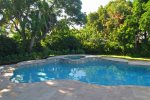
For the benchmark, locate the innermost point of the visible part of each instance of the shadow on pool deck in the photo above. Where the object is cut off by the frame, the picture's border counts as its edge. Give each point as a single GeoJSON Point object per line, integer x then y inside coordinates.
{"type": "Point", "coordinates": [70, 90]}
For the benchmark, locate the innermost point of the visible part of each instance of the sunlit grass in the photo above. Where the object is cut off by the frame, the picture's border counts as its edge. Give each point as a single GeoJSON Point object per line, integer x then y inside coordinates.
{"type": "Point", "coordinates": [126, 57]}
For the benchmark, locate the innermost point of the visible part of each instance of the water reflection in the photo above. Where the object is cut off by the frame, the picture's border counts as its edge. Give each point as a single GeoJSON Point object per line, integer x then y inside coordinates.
{"type": "Point", "coordinates": [101, 72]}
{"type": "Point", "coordinates": [77, 74]}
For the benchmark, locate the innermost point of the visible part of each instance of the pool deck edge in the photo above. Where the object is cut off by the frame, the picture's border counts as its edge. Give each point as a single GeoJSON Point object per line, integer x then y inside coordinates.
{"type": "Point", "coordinates": [131, 62]}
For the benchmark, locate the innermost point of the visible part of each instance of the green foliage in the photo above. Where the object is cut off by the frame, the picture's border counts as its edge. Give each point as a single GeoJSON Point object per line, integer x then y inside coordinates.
{"type": "Point", "coordinates": [122, 27]}
{"type": "Point", "coordinates": [145, 18]}
{"type": "Point", "coordinates": [34, 19]}
{"type": "Point", "coordinates": [62, 38]}
{"type": "Point", "coordinates": [100, 35]}
{"type": "Point", "coordinates": [12, 59]}
{"type": "Point", "coordinates": [126, 35]}
{"type": "Point", "coordinates": [8, 46]}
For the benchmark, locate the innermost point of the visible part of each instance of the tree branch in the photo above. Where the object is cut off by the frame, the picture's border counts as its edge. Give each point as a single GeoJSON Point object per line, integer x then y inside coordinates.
{"type": "Point", "coordinates": [16, 27]}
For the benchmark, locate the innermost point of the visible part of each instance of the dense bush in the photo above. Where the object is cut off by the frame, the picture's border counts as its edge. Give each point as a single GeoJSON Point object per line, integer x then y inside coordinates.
{"type": "Point", "coordinates": [35, 55]}
{"type": "Point", "coordinates": [64, 43]}
{"type": "Point", "coordinates": [8, 46]}
{"type": "Point", "coordinates": [63, 38]}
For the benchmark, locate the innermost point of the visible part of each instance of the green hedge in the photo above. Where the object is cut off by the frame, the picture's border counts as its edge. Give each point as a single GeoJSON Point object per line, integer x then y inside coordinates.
{"type": "Point", "coordinates": [11, 59]}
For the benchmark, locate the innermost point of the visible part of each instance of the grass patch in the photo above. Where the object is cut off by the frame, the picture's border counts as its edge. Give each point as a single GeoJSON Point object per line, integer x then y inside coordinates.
{"type": "Point", "coordinates": [126, 57]}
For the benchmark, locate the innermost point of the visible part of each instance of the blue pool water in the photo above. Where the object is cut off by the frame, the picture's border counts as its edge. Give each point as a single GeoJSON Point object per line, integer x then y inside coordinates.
{"type": "Point", "coordinates": [101, 72]}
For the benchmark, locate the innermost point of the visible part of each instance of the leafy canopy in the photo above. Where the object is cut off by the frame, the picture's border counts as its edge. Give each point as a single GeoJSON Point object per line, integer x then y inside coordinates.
{"type": "Point", "coordinates": [34, 19]}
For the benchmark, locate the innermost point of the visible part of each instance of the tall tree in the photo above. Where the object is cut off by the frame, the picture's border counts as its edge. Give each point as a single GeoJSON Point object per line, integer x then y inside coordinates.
{"type": "Point", "coordinates": [144, 23]}
{"type": "Point", "coordinates": [101, 28]}
{"type": "Point", "coordinates": [34, 19]}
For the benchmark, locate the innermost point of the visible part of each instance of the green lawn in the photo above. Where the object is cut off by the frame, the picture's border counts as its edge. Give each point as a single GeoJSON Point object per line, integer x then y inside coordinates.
{"type": "Point", "coordinates": [127, 57]}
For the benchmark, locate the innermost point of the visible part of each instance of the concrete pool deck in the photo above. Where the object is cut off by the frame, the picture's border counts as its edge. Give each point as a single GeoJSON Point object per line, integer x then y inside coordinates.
{"type": "Point", "coordinates": [71, 90]}
{"type": "Point", "coordinates": [67, 89]}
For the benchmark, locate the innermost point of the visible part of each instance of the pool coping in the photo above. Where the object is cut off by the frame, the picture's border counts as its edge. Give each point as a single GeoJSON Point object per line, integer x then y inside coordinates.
{"type": "Point", "coordinates": [130, 62]}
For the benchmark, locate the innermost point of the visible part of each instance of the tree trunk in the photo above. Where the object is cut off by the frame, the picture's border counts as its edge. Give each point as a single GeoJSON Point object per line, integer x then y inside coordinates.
{"type": "Point", "coordinates": [145, 38]}
{"type": "Point", "coordinates": [24, 41]}
{"type": "Point", "coordinates": [31, 44]}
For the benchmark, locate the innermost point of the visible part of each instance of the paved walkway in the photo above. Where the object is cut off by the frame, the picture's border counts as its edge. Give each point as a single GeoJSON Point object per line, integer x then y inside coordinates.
{"type": "Point", "coordinates": [70, 90]}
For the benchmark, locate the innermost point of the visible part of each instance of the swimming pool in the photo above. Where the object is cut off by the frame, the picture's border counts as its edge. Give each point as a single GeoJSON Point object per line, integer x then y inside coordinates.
{"type": "Point", "coordinates": [93, 71]}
